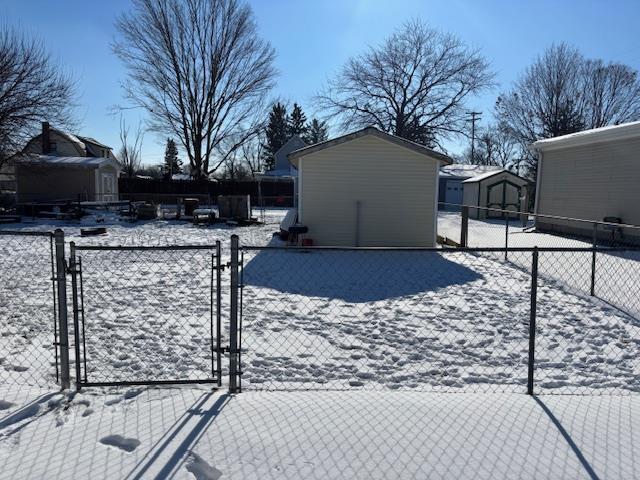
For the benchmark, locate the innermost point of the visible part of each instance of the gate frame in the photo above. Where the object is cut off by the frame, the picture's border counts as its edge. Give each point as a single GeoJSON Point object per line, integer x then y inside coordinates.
{"type": "Point", "coordinates": [75, 269]}
{"type": "Point", "coordinates": [59, 296]}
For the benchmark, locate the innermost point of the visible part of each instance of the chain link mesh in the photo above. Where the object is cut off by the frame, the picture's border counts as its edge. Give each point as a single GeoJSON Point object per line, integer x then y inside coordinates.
{"type": "Point", "coordinates": [149, 314]}
{"type": "Point", "coordinates": [28, 354]}
{"type": "Point", "coordinates": [435, 320]}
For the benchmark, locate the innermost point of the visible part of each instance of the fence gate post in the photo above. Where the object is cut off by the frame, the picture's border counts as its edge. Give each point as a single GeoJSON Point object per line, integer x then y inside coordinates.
{"type": "Point", "coordinates": [218, 312]}
{"type": "Point", "coordinates": [63, 328]}
{"type": "Point", "coordinates": [593, 259]}
{"type": "Point", "coordinates": [532, 320]}
{"type": "Point", "coordinates": [464, 232]}
{"type": "Point", "coordinates": [233, 321]}
{"type": "Point", "coordinates": [73, 266]}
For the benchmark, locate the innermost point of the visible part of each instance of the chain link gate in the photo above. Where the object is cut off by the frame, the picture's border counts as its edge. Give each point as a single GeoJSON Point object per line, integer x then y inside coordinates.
{"type": "Point", "coordinates": [32, 289]}
{"type": "Point", "coordinates": [146, 315]}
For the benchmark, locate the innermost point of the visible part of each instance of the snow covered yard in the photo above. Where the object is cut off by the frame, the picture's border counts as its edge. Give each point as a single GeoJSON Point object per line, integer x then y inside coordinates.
{"type": "Point", "coordinates": [26, 310]}
{"type": "Point", "coordinates": [386, 332]}
{"type": "Point", "coordinates": [194, 433]}
{"type": "Point", "coordinates": [617, 274]}
{"type": "Point", "coordinates": [426, 320]}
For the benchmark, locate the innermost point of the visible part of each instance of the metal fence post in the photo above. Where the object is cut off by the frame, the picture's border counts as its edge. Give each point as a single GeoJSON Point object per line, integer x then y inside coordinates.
{"type": "Point", "coordinates": [233, 321]}
{"type": "Point", "coordinates": [63, 329]}
{"type": "Point", "coordinates": [593, 259]}
{"type": "Point", "coordinates": [73, 265]}
{"type": "Point", "coordinates": [532, 320]}
{"type": "Point", "coordinates": [218, 312]}
{"type": "Point", "coordinates": [506, 238]}
{"type": "Point", "coordinates": [464, 231]}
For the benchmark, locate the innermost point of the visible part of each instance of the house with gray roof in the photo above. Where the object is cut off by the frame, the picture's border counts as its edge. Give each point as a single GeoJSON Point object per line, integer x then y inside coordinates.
{"type": "Point", "coordinates": [59, 166]}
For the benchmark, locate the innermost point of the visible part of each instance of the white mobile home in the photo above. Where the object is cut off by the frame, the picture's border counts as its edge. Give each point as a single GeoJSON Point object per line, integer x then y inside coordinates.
{"type": "Point", "coordinates": [592, 175]}
{"type": "Point", "coordinates": [368, 188]}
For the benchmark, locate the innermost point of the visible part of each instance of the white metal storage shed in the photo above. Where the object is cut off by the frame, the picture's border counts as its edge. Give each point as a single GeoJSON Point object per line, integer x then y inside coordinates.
{"type": "Point", "coordinates": [591, 175]}
{"type": "Point", "coordinates": [501, 190]}
{"type": "Point", "coordinates": [368, 188]}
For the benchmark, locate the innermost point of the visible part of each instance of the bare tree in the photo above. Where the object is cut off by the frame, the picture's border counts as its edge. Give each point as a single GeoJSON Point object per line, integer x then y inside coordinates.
{"type": "Point", "coordinates": [414, 85]}
{"type": "Point", "coordinates": [547, 100]}
{"type": "Point", "coordinates": [200, 70]}
{"type": "Point", "coordinates": [129, 154]}
{"type": "Point", "coordinates": [33, 88]}
{"type": "Point", "coordinates": [494, 147]}
{"type": "Point", "coordinates": [562, 93]}
{"type": "Point", "coordinates": [252, 154]}
{"type": "Point", "coordinates": [611, 93]}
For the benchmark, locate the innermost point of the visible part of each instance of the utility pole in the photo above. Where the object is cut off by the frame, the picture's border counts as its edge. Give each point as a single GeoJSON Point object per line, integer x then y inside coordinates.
{"type": "Point", "coordinates": [475, 116]}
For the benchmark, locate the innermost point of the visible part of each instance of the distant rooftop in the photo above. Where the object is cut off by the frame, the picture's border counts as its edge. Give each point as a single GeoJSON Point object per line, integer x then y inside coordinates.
{"type": "Point", "coordinates": [463, 170]}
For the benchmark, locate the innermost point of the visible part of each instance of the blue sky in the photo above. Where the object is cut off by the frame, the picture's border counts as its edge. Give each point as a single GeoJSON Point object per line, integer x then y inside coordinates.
{"type": "Point", "coordinates": [313, 38]}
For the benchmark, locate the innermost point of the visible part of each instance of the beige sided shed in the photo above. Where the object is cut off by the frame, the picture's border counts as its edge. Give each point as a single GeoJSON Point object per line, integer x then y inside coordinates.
{"type": "Point", "coordinates": [44, 178]}
{"type": "Point", "coordinates": [500, 189]}
{"type": "Point", "coordinates": [591, 175]}
{"type": "Point", "coordinates": [368, 188]}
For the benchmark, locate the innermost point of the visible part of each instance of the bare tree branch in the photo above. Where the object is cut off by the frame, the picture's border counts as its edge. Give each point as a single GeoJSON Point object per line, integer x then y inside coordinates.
{"type": "Point", "coordinates": [414, 85]}
{"type": "Point", "coordinates": [32, 89]}
{"type": "Point", "coordinates": [199, 69]}
{"type": "Point", "coordinates": [130, 152]}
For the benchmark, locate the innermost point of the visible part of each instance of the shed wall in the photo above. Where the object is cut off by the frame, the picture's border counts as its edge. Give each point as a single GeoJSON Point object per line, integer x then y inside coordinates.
{"type": "Point", "coordinates": [46, 183]}
{"type": "Point", "coordinates": [369, 192]}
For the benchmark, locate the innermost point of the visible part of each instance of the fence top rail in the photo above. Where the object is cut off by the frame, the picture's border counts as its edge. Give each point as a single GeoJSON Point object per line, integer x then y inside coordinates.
{"type": "Point", "coordinates": [18, 233]}
{"type": "Point", "coordinates": [143, 247]}
{"type": "Point", "coordinates": [443, 250]}
{"type": "Point", "coordinates": [544, 215]}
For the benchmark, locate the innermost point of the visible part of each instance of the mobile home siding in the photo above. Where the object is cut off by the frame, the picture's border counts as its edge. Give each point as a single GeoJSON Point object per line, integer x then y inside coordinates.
{"type": "Point", "coordinates": [590, 182]}
{"type": "Point", "coordinates": [394, 187]}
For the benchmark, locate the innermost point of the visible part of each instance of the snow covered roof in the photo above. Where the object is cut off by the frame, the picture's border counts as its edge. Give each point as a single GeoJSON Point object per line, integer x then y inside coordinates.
{"type": "Point", "coordinates": [88, 162]}
{"type": "Point", "coordinates": [482, 176]}
{"type": "Point", "coordinates": [587, 137]}
{"type": "Point", "coordinates": [278, 173]}
{"type": "Point", "coordinates": [462, 170]}
{"type": "Point", "coordinates": [403, 142]}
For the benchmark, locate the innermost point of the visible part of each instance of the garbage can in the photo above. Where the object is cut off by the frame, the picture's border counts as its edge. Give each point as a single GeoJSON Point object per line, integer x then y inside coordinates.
{"type": "Point", "coordinates": [190, 204]}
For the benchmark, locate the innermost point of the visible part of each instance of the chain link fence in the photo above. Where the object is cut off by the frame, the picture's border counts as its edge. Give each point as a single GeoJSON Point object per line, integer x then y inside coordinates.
{"type": "Point", "coordinates": [147, 315]}
{"type": "Point", "coordinates": [478, 320]}
{"type": "Point", "coordinates": [28, 309]}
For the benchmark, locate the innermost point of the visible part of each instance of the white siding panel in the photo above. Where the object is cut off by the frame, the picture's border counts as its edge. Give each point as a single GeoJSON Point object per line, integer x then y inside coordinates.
{"type": "Point", "coordinates": [396, 189]}
{"type": "Point", "coordinates": [592, 182]}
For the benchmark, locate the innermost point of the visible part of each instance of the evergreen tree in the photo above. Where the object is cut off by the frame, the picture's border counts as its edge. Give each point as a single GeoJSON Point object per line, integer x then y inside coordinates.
{"type": "Point", "coordinates": [277, 133]}
{"type": "Point", "coordinates": [297, 122]}
{"type": "Point", "coordinates": [317, 132]}
{"type": "Point", "coordinates": [172, 164]}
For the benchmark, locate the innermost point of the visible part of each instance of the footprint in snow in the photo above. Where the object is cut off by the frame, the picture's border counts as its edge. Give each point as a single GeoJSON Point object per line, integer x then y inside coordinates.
{"type": "Point", "coordinates": [4, 405]}
{"type": "Point", "coordinates": [200, 469]}
{"type": "Point", "coordinates": [123, 443]}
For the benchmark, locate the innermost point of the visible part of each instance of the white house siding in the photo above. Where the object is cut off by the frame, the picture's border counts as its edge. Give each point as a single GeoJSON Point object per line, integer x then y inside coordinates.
{"type": "Point", "coordinates": [395, 187]}
{"type": "Point", "coordinates": [590, 182]}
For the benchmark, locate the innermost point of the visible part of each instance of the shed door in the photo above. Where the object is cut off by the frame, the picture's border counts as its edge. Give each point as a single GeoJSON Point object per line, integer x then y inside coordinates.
{"type": "Point", "coordinates": [503, 195]}
{"type": "Point", "coordinates": [108, 187]}
{"type": "Point", "coordinates": [453, 193]}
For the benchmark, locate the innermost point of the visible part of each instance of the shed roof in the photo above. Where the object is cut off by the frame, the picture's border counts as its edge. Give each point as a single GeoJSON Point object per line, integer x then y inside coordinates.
{"type": "Point", "coordinates": [86, 162]}
{"type": "Point", "coordinates": [588, 137]}
{"type": "Point", "coordinates": [484, 176]}
{"type": "Point", "coordinates": [403, 142]}
{"type": "Point", "coordinates": [463, 170]}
